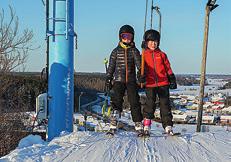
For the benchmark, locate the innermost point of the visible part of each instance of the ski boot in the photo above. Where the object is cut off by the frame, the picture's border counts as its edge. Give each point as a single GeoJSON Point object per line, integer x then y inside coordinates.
{"type": "Point", "coordinates": [113, 123]}
{"type": "Point", "coordinates": [139, 129]}
{"type": "Point", "coordinates": [147, 127]}
{"type": "Point", "coordinates": [169, 131]}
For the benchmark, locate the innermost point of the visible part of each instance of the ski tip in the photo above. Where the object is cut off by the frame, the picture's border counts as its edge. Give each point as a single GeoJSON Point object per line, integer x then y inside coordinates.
{"type": "Point", "coordinates": [146, 134]}
{"type": "Point", "coordinates": [140, 135]}
{"type": "Point", "coordinates": [172, 134]}
{"type": "Point", "coordinates": [110, 134]}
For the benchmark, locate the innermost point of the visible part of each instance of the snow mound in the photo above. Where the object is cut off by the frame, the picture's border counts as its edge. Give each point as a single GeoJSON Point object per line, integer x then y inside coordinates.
{"type": "Point", "coordinates": [191, 146]}
{"type": "Point", "coordinates": [30, 140]}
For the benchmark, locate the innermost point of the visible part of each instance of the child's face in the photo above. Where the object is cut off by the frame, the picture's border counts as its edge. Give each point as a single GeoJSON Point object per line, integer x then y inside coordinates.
{"type": "Point", "coordinates": [152, 45]}
{"type": "Point", "coordinates": [126, 37]}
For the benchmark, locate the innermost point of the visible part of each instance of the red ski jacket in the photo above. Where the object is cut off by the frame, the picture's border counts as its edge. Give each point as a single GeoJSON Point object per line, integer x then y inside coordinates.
{"type": "Point", "coordinates": [157, 68]}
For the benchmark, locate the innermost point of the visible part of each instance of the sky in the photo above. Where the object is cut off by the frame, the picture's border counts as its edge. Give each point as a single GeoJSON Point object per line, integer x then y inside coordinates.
{"type": "Point", "coordinates": [97, 25]}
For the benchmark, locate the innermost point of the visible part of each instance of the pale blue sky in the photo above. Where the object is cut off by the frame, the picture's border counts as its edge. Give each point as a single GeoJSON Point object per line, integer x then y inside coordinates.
{"type": "Point", "coordinates": [97, 23]}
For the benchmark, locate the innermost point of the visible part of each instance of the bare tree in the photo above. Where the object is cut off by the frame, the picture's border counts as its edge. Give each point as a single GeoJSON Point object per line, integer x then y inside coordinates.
{"type": "Point", "coordinates": [14, 45]}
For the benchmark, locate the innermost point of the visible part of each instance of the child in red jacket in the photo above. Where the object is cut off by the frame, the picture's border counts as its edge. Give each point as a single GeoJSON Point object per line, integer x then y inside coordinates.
{"type": "Point", "coordinates": [159, 78]}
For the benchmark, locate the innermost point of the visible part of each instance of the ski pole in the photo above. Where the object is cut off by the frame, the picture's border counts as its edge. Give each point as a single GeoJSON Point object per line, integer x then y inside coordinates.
{"type": "Point", "coordinates": [160, 19]}
{"type": "Point", "coordinates": [145, 17]}
{"type": "Point", "coordinates": [142, 55]}
{"type": "Point", "coordinates": [105, 105]}
{"type": "Point", "coordinates": [142, 66]}
{"type": "Point", "coordinates": [105, 61]}
{"type": "Point", "coordinates": [152, 8]}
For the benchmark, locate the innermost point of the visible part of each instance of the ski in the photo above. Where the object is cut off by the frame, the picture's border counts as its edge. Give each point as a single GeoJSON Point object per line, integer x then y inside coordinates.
{"type": "Point", "coordinates": [172, 134]}
{"type": "Point", "coordinates": [146, 133]}
{"type": "Point", "coordinates": [111, 132]}
{"type": "Point", "coordinates": [140, 134]}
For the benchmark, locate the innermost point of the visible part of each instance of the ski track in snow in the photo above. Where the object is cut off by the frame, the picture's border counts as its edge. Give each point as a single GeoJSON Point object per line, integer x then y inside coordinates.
{"type": "Point", "coordinates": [125, 146]}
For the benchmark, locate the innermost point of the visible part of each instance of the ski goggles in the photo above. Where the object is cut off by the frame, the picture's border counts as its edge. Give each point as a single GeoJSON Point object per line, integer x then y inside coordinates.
{"type": "Point", "coordinates": [128, 36]}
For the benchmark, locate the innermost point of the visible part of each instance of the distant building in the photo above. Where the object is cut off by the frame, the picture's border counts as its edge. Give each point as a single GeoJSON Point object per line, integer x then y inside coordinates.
{"type": "Point", "coordinates": [218, 98]}
{"type": "Point", "coordinates": [181, 118]}
{"type": "Point", "coordinates": [228, 101]}
{"type": "Point", "coordinates": [208, 119]}
{"type": "Point", "coordinates": [225, 119]}
{"type": "Point", "coordinates": [192, 113]}
{"type": "Point", "coordinates": [226, 110]}
{"type": "Point", "coordinates": [194, 107]}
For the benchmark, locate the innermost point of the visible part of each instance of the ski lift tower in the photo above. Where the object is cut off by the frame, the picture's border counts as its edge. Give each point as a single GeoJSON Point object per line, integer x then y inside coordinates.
{"type": "Point", "coordinates": [60, 66]}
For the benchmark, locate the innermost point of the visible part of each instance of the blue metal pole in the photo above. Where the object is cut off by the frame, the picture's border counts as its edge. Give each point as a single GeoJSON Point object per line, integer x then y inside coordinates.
{"type": "Point", "coordinates": [61, 67]}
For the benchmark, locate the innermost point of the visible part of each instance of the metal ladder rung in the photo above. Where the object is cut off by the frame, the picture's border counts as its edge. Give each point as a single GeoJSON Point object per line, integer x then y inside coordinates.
{"type": "Point", "coordinates": [58, 19]}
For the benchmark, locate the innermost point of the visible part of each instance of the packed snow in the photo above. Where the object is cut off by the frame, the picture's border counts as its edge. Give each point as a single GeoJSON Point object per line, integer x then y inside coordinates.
{"type": "Point", "coordinates": [213, 145]}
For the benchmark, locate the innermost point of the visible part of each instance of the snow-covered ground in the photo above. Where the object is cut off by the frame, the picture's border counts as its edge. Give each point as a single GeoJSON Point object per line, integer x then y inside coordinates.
{"type": "Point", "coordinates": [81, 146]}
{"type": "Point", "coordinates": [191, 146]}
{"type": "Point", "coordinates": [194, 90]}
{"type": "Point", "coordinates": [212, 87]}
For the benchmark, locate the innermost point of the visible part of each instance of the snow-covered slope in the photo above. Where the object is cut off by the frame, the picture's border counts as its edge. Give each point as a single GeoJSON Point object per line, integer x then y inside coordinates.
{"type": "Point", "coordinates": [214, 145]}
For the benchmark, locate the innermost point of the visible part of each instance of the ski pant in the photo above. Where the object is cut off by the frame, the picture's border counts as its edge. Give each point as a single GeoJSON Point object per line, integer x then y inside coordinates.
{"type": "Point", "coordinates": [165, 109]}
{"type": "Point", "coordinates": [133, 98]}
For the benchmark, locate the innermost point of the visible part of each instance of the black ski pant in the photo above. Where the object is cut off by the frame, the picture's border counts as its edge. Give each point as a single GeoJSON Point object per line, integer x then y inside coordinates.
{"type": "Point", "coordinates": [133, 98]}
{"type": "Point", "coordinates": [165, 109]}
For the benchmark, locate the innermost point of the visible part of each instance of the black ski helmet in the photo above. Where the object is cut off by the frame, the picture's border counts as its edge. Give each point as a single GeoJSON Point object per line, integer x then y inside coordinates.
{"type": "Point", "coordinates": [126, 29]}
{"type": "Point", "coordinates": [152, 35]}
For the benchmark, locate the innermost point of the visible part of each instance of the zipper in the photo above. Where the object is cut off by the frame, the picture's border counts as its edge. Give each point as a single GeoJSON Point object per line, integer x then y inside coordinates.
{"type": "Point", "coordinates": [126, 65]}
{"type": "Point", "coordinates": [154, 62]}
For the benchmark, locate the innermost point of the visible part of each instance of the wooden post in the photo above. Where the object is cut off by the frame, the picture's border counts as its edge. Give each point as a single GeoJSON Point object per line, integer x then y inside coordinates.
{"type": "Point", "coordinates": [209, 8]}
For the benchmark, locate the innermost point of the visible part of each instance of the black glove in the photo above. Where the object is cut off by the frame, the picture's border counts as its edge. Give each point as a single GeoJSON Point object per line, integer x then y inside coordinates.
{"type": "Point", "coordinates": [108, 84]}
{"type": "Point", "coordinates": [143, 45]}
{"type": "Point", "coordinates": [141, 78]}
{"type": "Point", "coordinates": [172, 81]}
